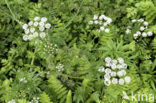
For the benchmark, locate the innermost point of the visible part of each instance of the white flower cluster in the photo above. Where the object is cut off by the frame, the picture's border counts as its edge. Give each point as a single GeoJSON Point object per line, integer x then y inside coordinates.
{"type": "Point", "coordinates": [35, 100]}
{"type": "Point", "coordinates": [116, 70]}
{"type": "Point", "coordinates": [12, 101]}
{"type": "Point", "coordinates": [103, 21]}
{"type": "Point", "coordinates": [23, 80]}
{"type": "Point", "coordinates": [36, 28]}
{"type": "Point", "coordinates": [50, 48]}
{"type": "Point", "coordinates": [60, 67]}
{"type": "Point", "coordinates": [141, 32]}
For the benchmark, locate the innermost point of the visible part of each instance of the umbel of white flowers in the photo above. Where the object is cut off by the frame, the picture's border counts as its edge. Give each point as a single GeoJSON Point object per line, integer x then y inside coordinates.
{"type": "Point", "coordinates": [23, 80]}
{"type": "Point", "coordinates": [35, 100]}
{"type": "Point", "coordinates": [60, 67]}
{"type": "Point", "coordinates": [11, 101]}
{"type": "Point", "coordinates": [115, 71]}
{"type": "Point", "coordinates": [141, 32]}
{"type": "Point", "coordinates": [36, 28]}
{"type": "Point", "coordinates": [102, 21]}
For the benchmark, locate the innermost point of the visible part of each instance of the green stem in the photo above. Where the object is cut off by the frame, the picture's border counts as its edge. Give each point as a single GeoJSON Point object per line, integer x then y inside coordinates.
{"type": "Point", "coordinates": [14, 17]}
{"type": "Point", "coordinates": [32, 61]}
{"type": "Point", "coordinates": [33, 58]}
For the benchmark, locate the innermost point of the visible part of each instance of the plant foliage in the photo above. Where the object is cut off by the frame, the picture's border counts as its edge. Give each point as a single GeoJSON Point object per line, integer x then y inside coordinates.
{"type": "Point", "coordinates": [63, 66]}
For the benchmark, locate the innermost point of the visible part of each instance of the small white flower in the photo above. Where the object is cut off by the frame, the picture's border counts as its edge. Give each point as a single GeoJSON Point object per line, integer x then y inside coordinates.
{"type": "Point", "coordinates": [95, 17]}
{"type": "Point", "coordinates": [47, 25]}
{"type": "Point", "coordinates": [101, 69]}
{"type": "Point", "coordinates": [149, 33]}
{"type": "Point", "coordinates": [108, 59]}
{"type": "Point", "coordinates": [41, 24]}
{"type": "Point", "coordinates": [26, 31]}
{"type": "Point", "coordinates": [128, 31]}
{"type": "Point", "coordinates": [105, 24]}
{"type": "Point", "coordinates": [135, 36]}
{"type": "Point", "coordinates": [142, 28]}
{"type": "Point", "coordinates": [106, 30]}
{"type": "Point", "coordinates": [30, 37]}
{"type": "Point", "coordinates": [32, 30]}
{"type": "Point", "coordinates": [101, 17]}
{"type": "Point", "coordinates": [35, 34]}
{"type": "Point", "coordinates": [114, 61]}
{"type": "Point", "coordinates": [109, 20]}
{"type": "Point", "coordinates": [41, 28]}
{"type": "Point", "coordinates": [134, 20]}
{"type": "Point", "coordinates": [124, 65]}
{"type": "Point", "coordinates": [113, 66]}
{"type": "Point", "coordinates": [30, 23]}
{"type": "Point", "coordinates": [141, 20]}
{"type": "Point", "coordinates": [105, 18]}
{"type": "Point", "coordinates": [25, 37]}
{"type": "Point", "coordinates": [114, 81]}
{"type": "Point", "coordinates": [91, 22]}
{"type": "Point", "coordinates": [120, 60]}
{"type": "Point", "coordinates": [108, 64]}
{"type": "Point", "coordinates": [127, 79]}
{"type": "Point", "coordinates": [119, 66]}
{"type": "Point", "coordinates": [25, 26]}
{"type": "Point", "coordinates": [113, 74]}
{"type": "Point", "coordinates": [36, 18]}
{"type": "Point", "coordinates": [35, 24]}
{"type": "Point", "coordinates": [107, 77]}
{"type": "Point", "coordinates": [102, 28]}
{"type": "Point", "coordinates": [119, 73]}
{"type": "Point", "coordinates": [139, 33]}
{"type": "Point", "coordinates": [107, 70]}
{"type": "Point", "coordinates": [44, 19]}
{"type": "Point", "coordinates": [123, 72]}
{"type": "Point", "coordinates": [96, 22]}
{"type": "Point", "coordinates": [107, 82]}
{"type": "Point", "coordinates": [121, 81]}
{"type": "Point", "coordinates": [144, 34]}
{"type": "Point", "coordinates": [146, 23]}
{"type": "Point", "coordinates": [42, 35]}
